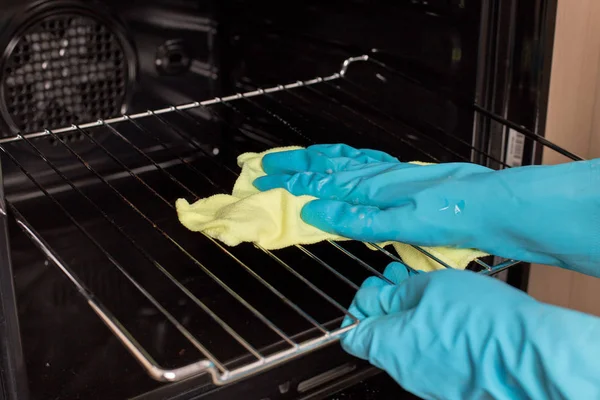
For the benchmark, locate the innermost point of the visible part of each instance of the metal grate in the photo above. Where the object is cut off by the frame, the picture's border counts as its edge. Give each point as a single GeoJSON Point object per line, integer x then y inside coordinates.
{"type": "Point", "coordinates": [195, 173]}
{"type": "Point", "coordinates": [65, 68]}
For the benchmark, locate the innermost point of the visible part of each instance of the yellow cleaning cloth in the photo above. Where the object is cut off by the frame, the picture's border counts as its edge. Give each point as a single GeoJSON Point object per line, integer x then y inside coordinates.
{"type": "Point", "coordinates": [272, 220]}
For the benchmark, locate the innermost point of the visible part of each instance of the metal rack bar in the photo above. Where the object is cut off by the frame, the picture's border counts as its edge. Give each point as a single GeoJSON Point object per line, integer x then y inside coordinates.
{"type": "Point", "coordinates": [171, 177]}
{"type": "Point", "coordinates": [449, 135]}
{"type": "Point", "coordinates": [205, 308]}
{"type": "Point", "coordinates": [294, 129]}
{"type": "Point", "coordinates": [158, 373]}
{"type": "Point", "coordinates": [147, 157]}
{"type": "Point", "coordinates": [340, 248]}
{"type": "Point", "coordinates": [519, 128]}
{"type": "Point", "coordinates": [379, 127]}
{"type": "Point", "coordinates": [256, 313]}
{"type": "Point", "coordinates": [260, 279]}
{"type": "Point", "coordinates": [483, 264]}
{"type": "Point", "coordinates": [361, 262]}
{"type": "Point", "coordinates": [191, 141]}
{"type": "Point", "coordinates": [330, 268]}
{"type": "Point", "coordinates": [527, 132]}
{"type": "Point", "coordinates": [249, 270]}
{"type": "Point", "coordinates": [434, 258]}
{"type": "Point", "coordinates": [294, 94]}
{"type": "Point", "coordinates": [364, 103]}
{"type": "Point", "coordinates": [487, 268]}
{"type": "Point", "coordinates": [171, 375]}
{"type": "Point", "coordinates": [393, 257]}
{"type": "Point", "coordinates": [500, 267]}
{"type": "Point", "coordinates": [315, 90]}
{"type": "Point", "coordinates": [221, 100]}
{"type": "Point", "coordinates": [146, 255]}
{"type": "Point", "coordinates": [386, 115]}
{"type": "Point", "coordinates": [323, 95]}
{"type": "Point", "coordinates": [106, 316]}
{"type": "Point", "coordinates": [156, 227]}
{"type": "Point", "coordinates": [307, 282]}
{"type": "Point", "coordinates": [179, 326]}
{"type": "Point", "coordinates": [218, 369]}
{"type": "Point", "coordinates": [423, 251]}
{"type": "Point", "coordinates": [303, 249]}
{"type": "Point", "coordinates": [165, 110]}
{"type": "Point", "coordinates": [300, 247]}
{"type": "Point", "coordinates": [298, 131]}
{"type": "Point", "coordinates": [158, 140]}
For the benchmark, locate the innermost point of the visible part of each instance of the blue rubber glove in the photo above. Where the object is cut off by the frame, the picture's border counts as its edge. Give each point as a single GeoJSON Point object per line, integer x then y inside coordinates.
{"type": "Point", "coordinates": [460, 335]}
{"type": "Point", "coordinates": [539, 214]}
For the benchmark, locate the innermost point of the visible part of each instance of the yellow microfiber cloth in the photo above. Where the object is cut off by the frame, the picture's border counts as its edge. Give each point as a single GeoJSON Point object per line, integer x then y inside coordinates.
{"type": "Point", "coordinates": [272, 220]}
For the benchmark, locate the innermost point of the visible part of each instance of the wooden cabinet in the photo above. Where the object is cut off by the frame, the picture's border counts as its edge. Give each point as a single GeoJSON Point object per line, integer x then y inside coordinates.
{"type": "Point", "coordinates": [573, 121]}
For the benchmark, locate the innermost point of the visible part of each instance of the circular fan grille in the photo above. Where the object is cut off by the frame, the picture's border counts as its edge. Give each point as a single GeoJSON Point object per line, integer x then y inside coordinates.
{"type": "Point", "coordinates": [64, 69]}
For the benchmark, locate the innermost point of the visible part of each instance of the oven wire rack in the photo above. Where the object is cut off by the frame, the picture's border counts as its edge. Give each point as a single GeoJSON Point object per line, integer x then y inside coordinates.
{"type": "Point", "coordinates": [210, 364]}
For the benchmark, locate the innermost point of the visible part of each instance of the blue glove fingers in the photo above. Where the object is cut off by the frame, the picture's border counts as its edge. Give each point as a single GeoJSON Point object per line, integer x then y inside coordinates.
{"type": "Point", "coordinates": [371, 340]}
{"type": "Point", "coordinates": [342, 150]}
{"type": "Point", "coordinates": [307, 183]}
{"type": "Point", "coordinates": [385, 300]}
{"type": "Point", "coordinates": [309, 160]}
{"type": "Point", "coordinates": [366, 306]}
{"type": "Point", "coordinates": [370, 282]}
{"type": "Point", "coordinates": [357, 341]}
{"type": "Point", "coordinates": [294, 161]}
{"type": "Point", "coordinates": [395, 272]}
{"type": "Point", "coordinates": [359, 184]}
{"type": "Point", "coordinates": [398, 272]}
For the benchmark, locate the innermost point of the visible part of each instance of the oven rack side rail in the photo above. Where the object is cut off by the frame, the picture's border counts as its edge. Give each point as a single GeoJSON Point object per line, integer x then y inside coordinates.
{"type": "Point", "coordinates": [218, 369]}
{"type": "Point", "coordinates": [258, 92]}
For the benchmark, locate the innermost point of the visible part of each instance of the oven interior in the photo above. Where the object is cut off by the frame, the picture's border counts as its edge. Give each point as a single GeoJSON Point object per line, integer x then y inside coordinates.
{"type": "Point", "coordinates": [100, 195]}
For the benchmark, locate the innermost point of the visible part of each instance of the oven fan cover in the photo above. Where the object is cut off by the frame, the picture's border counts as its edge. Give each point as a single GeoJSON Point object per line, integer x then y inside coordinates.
{"type": "Point", "coordinates": [65, 65]}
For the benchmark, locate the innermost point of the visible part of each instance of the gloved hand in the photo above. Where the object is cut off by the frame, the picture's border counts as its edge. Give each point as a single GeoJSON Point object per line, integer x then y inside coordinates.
{"type": "Point", "coordinates": [539, 214]}
{"type": "Point", "coordinates": [459, 335]}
